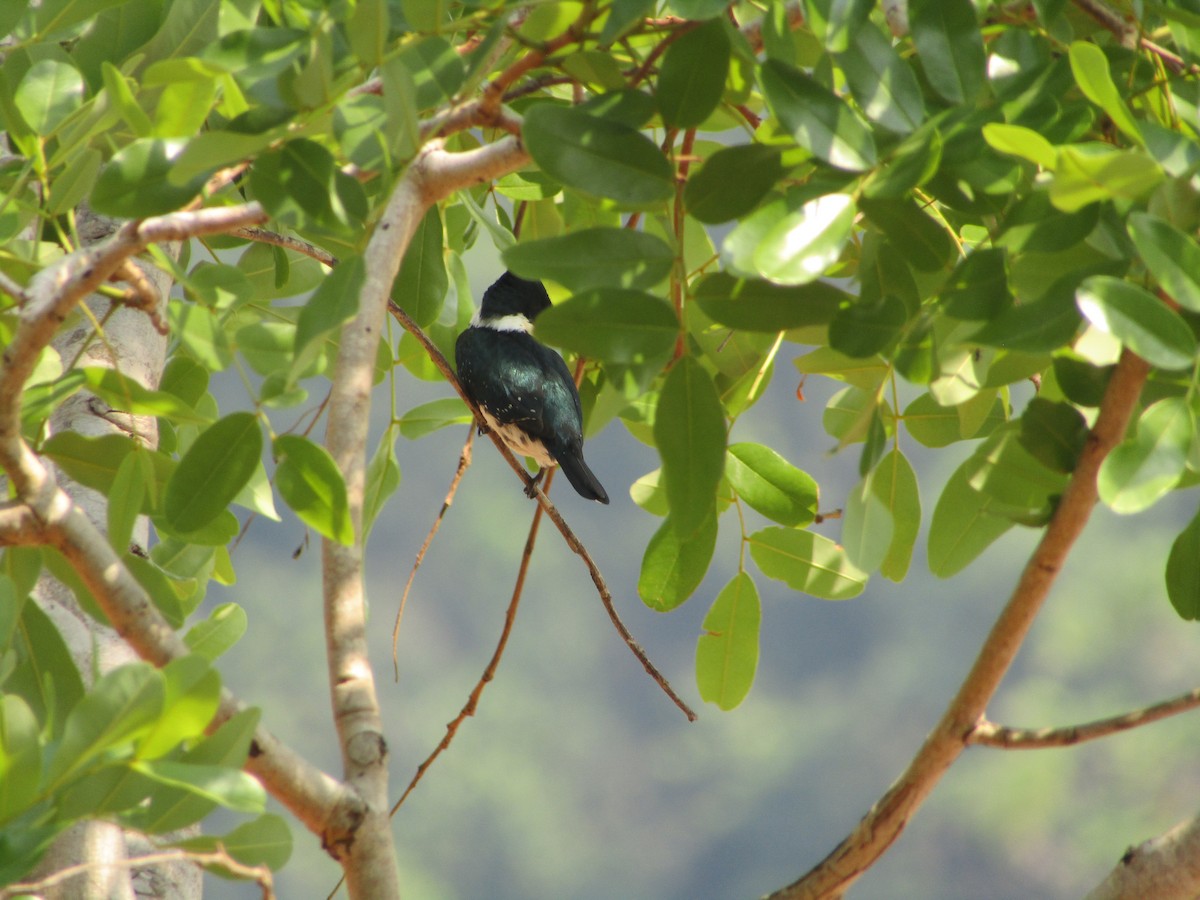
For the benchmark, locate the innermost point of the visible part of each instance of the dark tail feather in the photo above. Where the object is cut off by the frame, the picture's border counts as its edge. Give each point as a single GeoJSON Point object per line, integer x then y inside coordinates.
{"type": "Point", "coordinates": [585, 483]}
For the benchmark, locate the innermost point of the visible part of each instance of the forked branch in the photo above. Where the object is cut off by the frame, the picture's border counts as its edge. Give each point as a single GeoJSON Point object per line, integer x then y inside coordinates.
{"type": "Point", "coordinates": [882, 825]}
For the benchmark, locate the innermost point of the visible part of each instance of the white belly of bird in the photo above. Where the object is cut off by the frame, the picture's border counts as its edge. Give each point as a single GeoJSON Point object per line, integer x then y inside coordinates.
{"type": "Point", "coordinates": [519, 442]}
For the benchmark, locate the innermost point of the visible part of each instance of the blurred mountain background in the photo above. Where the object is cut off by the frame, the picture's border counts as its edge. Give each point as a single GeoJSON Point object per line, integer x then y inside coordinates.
{"type": "Point", "coordinates": [578, 778]}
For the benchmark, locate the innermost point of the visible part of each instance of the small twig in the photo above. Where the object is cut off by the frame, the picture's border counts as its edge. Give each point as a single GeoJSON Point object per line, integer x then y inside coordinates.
{"type": "Point", "coordinates": [989, 734]}
{"type": "Point", "coordinates": [464, 460]}
{"type": "Point", "coordinates": [1131, 36]}
{"type": "Point", "coordinates": [573, 542]}
{"type": "Point", "coordinates": [13, 289]}
{"type": "Point", "coordinates": [266, 236]}
{"type": "Point", "coordinates": [219, 857]}
{"type": "Point", "coordinates": [489, 673]}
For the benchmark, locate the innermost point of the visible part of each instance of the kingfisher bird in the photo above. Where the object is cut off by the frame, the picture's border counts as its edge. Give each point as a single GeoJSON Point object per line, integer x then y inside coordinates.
{"type": "Point", "coordinates": [522, 387]}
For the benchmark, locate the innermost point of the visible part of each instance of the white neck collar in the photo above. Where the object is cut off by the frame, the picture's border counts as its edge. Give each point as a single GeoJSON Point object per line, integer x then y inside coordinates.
{"type": "Point", "coordinates": [511, 322]}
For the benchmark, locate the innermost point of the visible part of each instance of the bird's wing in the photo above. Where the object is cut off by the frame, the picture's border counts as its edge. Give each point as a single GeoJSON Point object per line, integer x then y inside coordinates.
{"type": "Point", "coordinates": [531, 387]}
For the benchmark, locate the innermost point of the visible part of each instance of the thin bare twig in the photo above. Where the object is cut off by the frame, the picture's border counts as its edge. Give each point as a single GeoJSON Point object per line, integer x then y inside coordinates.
{"type": "Point", "coordinates": [989, 734]}
{"type": "Point", "coordinates": [464, 460]}
{"type": "Point", "coordinates": [573, 542]}
{"type": "Point", "coordinates": [489, 673]}
{"type": "Point", "coordinates": [286, 241]}
{"type": "Point", "coordinates": [219, 857]}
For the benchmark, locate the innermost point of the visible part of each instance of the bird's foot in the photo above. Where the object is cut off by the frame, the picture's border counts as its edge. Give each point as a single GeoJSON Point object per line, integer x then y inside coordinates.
{"type": "Point", "coordinates": [532, 486]}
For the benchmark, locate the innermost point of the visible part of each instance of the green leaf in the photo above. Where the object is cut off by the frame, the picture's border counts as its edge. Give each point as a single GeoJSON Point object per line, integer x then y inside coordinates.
{"type": "Point", "coordinates": [1089, 173]}
{"type": "Point", "coordinates": [1089, 65]}
{"type": "Point", "coordinates": [420, 287]}
{"type": "Point", "coordinates": [727, 652]}
{"type": "Point", "coordinates": [1022, 142]}
{"type": "Point", "coordinates": [222, 629]}
{"type": "Point", "coordinates": [863, 329]}
{"type": "Point", "coordinates": [1171, 256]}
{"type": "Point", "coordinates": [201, 332]}
{"type": "Point", "coordinates": [594, 257]}
{"type": "Point", "coordinates": [125, 501]}
{"type": "Point", "coordinates": [125, 394]}
{"type": "Point", "coordinates": [806, 562]}
{"type": "Point", "coordinates": [691, 79]}
{"type": "Point", "coordinates": [689, 429]}
{"type": "Point", "coordinates": [819, 120]}
{"type": "Point", "coordinates": [674, 563]}
{"type": "Point", "coordinates": [732, 182]}
{"type": "Point", "coordinates": [771, 485]}
{"type": "Point", "coordinates": [193, 693]}
{"type": "Point", "coordinates": [301, 184]}
{"type": "Point", "coordinates": [94, 462]}
{"type": "Point", "coordinates": [613, 324]}
{"type": "Point", "coordinates": [948, 41]}
{"type": "Point", "coordinates": [927, 244]}
{"type": "Point", "coordinates": [1144, 467]}
{"type": "Point", "coordinates": [311, 484]}
{"type": "Point", "coordinates": [884, 86]}
{"type": "Point", "coordinates": [1138, 319]}
{"type": "Point", "coordinates": [867, 526]}
{"type": "Point", "coordinates": [121, 706]}
{"type": "Point", "coordinates": [138, 181]}
{"type": "Point", "coordinates": [1183, 575]}
{"type": "Point", "coordinates": [383, 475]}
{"type": "Point", "coordinates": [46, 675]}
{"type": "Point", "coordinates": [266, 841]}
{"type": "Point", "coordinates": [894, 483]}
{"type": "Point", "coordinates": [597, 156]}
{"type": "Point", "coordinates": [48, 92]}
{"type": "Point", "coordinates": [791, 247]}
{"type": "Point", "coordinates": [20, 756]}
{"type": "Point", "coordinates": [333, 303]}
{"type": "Point", "coordinates": [1053, 433]}
{"type": "Point", "coordinates": [963, 526]}
{"type": "Point", "coordinates": [749, 304]}
{"type": "Point", "coordinates": [222, 785]}
{"type": "Point", "coordinates": [429, 417]}
{"type": "Point", "coordinates": [212, 472]}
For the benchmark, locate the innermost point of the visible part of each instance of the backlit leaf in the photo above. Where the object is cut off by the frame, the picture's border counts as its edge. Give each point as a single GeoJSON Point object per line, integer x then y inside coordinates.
{"type": "Point", "coordinates": [807, 562]}
{"type": "Point", "coordinates": [727, 651]}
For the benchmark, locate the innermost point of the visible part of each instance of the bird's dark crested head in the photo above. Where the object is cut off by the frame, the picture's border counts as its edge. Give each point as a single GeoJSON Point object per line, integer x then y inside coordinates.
{"type": "Point", "coordinates": [513, 296]}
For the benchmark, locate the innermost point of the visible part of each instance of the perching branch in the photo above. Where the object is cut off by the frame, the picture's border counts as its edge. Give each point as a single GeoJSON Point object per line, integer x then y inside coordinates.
{"type": "Point", "coordinates": [560, 523]}
{"type": "Point", "coordinates": [464, 460]}
{"type": "Point", "coordinates": [489, 672]}
{"type": "Point", "coordinates": [882, 825]}
{"type": "Point", "coordinates": [988, 734]}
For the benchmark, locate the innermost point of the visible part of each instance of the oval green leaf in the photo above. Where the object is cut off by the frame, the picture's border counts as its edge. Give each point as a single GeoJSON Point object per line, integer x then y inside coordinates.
{"type": "Point", "coordinates": [594, 257]}
{"type": "Point", "coordinates": [674, 564]}
{"type": "Point", "coordinates": [770, 484]}
{"type": "Point", "coordinates": [727, 652]}
{"type": "Point", "coordinates": [689, 429]}
{"type": "Point", "coordinates": [613, 324]}
{"type": "Point", "coordinates": [212, 472]}
{"type": "Point", "coordinates": [732, 182]}
{"type": "Point", "coordinates": [312, 485]}
{"type": "Point", "coordinates": [691, 80]}
{"type": "Point", "coordinates": [1171, 256]}
{"type": "Point", "coordinates": [597, 156]}
{"type": "Point", "coordinates": [1138, 319]}
{"type": "Point", "coordinates": [819, 120]}
{"type": "Point", "coordinates": [807, 562]}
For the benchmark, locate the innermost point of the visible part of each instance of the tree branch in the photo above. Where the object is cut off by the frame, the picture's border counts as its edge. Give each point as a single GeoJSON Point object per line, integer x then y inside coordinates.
{"type": "Point", "coordinates": [43, 513]}
{"type": "Point", "coordinates": [560, 523]}
{"type": "Point", "coordinates": [1166, 868]}
{"type": "Point", "coordinates": [888, 817]}
{"type": "Point", "coordinates": [988, 734]}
